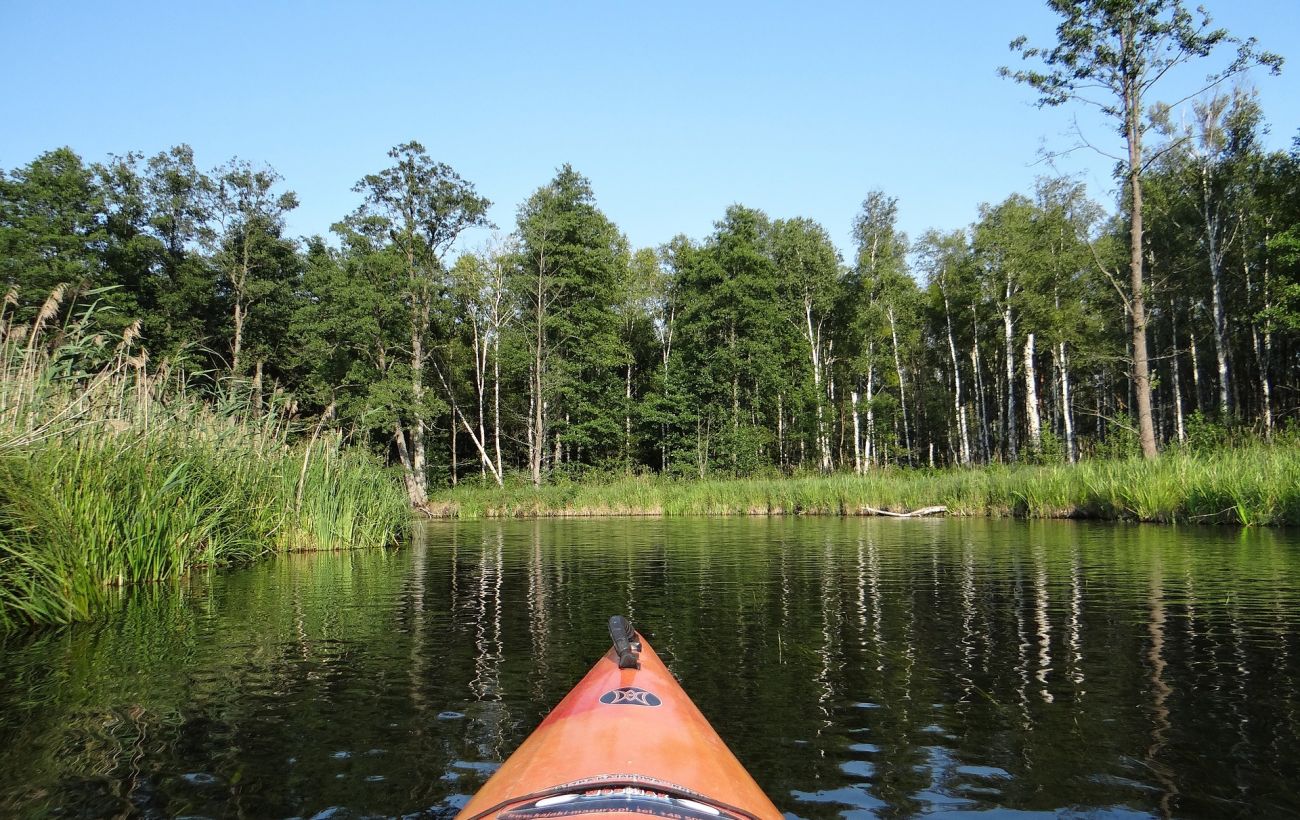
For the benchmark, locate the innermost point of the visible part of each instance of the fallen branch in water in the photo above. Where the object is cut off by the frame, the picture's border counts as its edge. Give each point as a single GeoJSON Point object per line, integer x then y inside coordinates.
{"type": "Point", "coordinates": [912, 514]}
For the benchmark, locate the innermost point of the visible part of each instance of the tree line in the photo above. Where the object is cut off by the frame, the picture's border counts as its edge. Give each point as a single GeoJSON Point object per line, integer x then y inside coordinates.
{"type": "Point", "coordinates": [555, 349]}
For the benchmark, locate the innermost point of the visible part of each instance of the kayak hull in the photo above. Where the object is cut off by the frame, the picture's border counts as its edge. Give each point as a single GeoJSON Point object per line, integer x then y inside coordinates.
{"type": "Point", "coordinates": [623, 742]}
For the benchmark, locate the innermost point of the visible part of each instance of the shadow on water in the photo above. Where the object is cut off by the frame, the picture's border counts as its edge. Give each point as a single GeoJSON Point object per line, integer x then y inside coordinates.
{"type": "Point", "coordinates": [857, 667]}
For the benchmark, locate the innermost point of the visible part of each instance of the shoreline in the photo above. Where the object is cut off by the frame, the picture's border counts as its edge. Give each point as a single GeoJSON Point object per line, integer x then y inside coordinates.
{"type": "Point", "coordinates": [453, 514]}
{"type": "Point", "coordinates": [1256, 485]}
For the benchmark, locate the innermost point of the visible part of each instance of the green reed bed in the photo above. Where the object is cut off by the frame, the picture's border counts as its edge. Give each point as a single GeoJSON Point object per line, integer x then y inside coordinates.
{"type": "Point", "coordinates": [1252, 485]}
{"type": "Point", "coordinates": [111, 474]}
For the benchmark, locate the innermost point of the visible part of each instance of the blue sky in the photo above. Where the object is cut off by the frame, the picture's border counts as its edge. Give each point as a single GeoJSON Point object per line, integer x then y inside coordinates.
{"type": "Point", "coordinates": [673, 110]}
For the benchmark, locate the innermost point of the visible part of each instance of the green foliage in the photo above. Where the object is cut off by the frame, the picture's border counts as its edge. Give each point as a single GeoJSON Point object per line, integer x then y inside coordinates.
{"type": "Point", "coordinates": [1051, 449]}
{"type": "Point", "coordinates": [111, 474]}
{"type": "Point", "coordinates": [1284, 311]}
{"type": "Point", "coordinates": [349, 332]}
{"type": "Point", "coordinates": [880, 332]}
{"type": "Point", "coordinates": [1124, 47]}
{"type": "Point", "coordinates": [753, 351]}
{"type": "Point", "coordinates": [574, 267]}
{"type": "Point", "coordinates": [1112, 54]}
{"type": "Point", "coordinates": [51, 226]}
{"type": "Point", "coordinates": [1120, 440]}
{"type": "Point", "coordinates": [258, 269]}
{"type": "Point", "coordinates": [1203, 434]}
{"type": "Point", "coordinates": [744, 366]}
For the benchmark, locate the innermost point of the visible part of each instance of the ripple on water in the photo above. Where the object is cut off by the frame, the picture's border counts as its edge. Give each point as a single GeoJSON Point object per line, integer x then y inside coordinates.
{"type": "Point", "coordinates": [853, 796]}
{"type": "Point", "coordinates": [482, 766]}
{"type": "Point", "coordinates": [200, 779]}
{"type": "Point", "coordinates": [939, 800]}
{"type": "Point", "coordinates": [859, 768]}
{"type": "Point", "coordinates": [1121, 782]}
{"type": "Point", "coordinates": [990, 772]}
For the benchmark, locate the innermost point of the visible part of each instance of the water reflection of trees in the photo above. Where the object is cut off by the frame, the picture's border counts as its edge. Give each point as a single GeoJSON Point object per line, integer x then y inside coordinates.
{"type": "Point", "coordinates": [856, 664]}
{"type": "Point", "coordinates": [219, 696]}
{"type": "Point", "coordinates": [849, 657]}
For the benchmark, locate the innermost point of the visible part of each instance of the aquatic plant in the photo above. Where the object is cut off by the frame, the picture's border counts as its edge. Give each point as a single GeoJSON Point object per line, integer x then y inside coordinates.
{"type": "Point", "coordinates": [115, 473]}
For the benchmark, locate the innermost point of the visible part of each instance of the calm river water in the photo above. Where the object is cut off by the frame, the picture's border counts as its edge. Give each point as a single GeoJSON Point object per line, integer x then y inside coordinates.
{"type": "Point", "coordinates": [857, 667]}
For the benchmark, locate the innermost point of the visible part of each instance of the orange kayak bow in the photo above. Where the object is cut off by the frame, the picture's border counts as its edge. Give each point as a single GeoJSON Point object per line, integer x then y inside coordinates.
{"type": "Point", "coordinates": [626, 741]}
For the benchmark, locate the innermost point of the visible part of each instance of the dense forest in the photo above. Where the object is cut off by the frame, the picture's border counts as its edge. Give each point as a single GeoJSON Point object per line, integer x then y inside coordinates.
{"type": "Point", "coordinates": [557, 350]}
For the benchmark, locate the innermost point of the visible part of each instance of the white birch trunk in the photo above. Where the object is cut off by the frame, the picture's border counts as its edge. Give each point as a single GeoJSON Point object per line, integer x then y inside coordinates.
{"type": "Point", "coordinates": [981, 406]}
{"type": "Point", "coordinates": [479, 444]}
{"type": "Point", "coordinates": [780, 429]}
{"type": "Point", "coordinates": [1264, 353]}
{"type": "Point", "coordinates": [870, 449]}
{"type": "Point", "coordinates": [813, 336]}
{"type": "Point", "coordinates": [1008, 340]}
{"type": "Point", "coordinates": [1220, 335]}
{"type": "Point", "coordinates": [857, 436]}
{"type": "Point", "coordinates": [1033, 418]}
{"type": "Point", "coordinates": [1180, 426]}
{"type": "Point", "coordinates": [1218, 314]}
{"type": "Point", "coordinates": [1266, 385]}
{"type": "Point", "coordinates": [1067, 406]}
{"type": "Point", "coordinates": [496, 400]}
{"type": "Point", "coordinates": [532, 430]}
{"type": "Point", "coordinates": [1196, 367]}
{"type": "Point", "coordinates": [480, 350]}
{"type": "Point", "coordinates": [959, 407]}
{"type": "Point", "coordinates": [902, 391]}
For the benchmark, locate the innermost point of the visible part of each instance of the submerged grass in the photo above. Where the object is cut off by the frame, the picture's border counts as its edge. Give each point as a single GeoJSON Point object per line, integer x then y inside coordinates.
{"type": "Point", "coordinates": [111, 474]}
{"type": "Point", "coordinates": [1253, 485]}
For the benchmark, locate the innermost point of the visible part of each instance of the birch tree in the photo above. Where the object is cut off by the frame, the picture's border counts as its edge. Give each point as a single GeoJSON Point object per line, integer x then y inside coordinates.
{"type": "Point", "coordinates": [883, 294]}
{"type": "Point", "coordinates": [941, 255]}
{"type": "Point", "coordinates": [1004, 247]}
{"type": "Point", "coordinates": [1111, 55]}
{"type": "Point", "coordinates": [478, 286]}
{"type": "Point", "coordinates": [1208, 162]}
{"type": "Point", "coordinates": [1066, 291]}
{"type": "Point", "coordinates": [808, 266]}
{"type": "Point", "coordinates": [638, 299]}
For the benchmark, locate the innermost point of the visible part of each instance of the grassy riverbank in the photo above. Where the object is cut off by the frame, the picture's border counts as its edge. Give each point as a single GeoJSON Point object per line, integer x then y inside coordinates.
{"type": "Point", "coordinates": [112, 474]}
{"type": "Point", "coordinates": [1254, 485]}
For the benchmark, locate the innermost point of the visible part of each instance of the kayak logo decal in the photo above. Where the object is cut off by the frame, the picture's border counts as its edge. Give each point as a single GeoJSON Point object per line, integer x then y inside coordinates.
{"type": "Point", "coordinates": [630, 696]}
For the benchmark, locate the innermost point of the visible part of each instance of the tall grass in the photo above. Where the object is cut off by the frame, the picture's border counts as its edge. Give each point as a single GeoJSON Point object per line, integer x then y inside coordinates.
{"type": "Point", "coordinates": [1257, 484]}
{"type": "Point", "coordinates": [114, 473]}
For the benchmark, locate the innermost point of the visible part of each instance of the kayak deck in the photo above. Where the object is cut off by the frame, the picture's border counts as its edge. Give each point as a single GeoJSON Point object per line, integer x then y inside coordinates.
{"type": "Point", "coordinates": [625, 741]}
